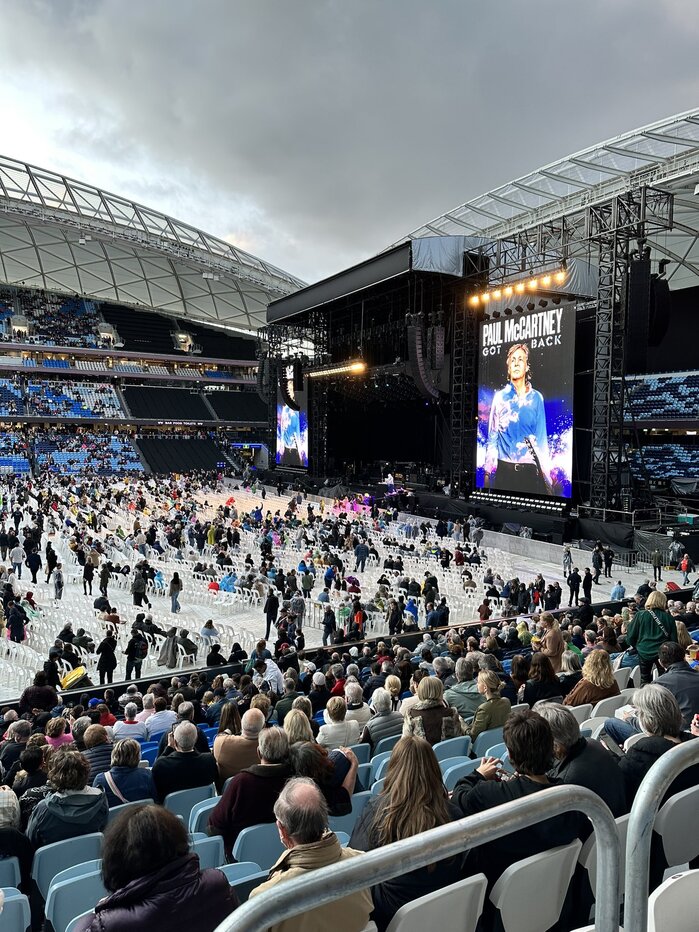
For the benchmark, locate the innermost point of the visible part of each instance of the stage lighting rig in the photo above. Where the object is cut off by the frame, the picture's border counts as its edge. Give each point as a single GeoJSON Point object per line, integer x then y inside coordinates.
{"type": "Point", "coordinates": [549, 280]}
{"type": "Point", "coordinates": [352, 367]}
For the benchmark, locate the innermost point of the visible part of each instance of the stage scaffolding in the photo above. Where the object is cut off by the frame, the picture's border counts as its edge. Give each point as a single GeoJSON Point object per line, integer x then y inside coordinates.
{"type": "Point", "coordinates": [601, 233]}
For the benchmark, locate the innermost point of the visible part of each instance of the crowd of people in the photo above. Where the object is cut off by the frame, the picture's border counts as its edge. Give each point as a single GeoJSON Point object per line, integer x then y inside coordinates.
{"type": "Point", "coordinates": [275, 732]}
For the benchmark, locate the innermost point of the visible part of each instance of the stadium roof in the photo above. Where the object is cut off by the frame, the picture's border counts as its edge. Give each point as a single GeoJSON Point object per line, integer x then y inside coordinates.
{"type": "Point", "coordinates": [663, 155]}
{"type": "Point", "coordinates": [66, 236]}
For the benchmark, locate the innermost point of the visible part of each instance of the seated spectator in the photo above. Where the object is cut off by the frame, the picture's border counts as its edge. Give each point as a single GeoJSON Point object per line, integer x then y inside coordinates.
{"type": "Point", "coordinates": [148, 708]}
{"type": "Point", "coordinates": [235, 745]}
{"type": "Point", "coordinates": [431, 718]}
{"type": "Point", "coordinates": [214, 658]}
{"type": "Point", "coordinates": [284, 705]}
{"type": "Point", "coordinates": [337, 731]}
{"type": "Point", "coordinates": [385, 723]}
{"type": "Point", "coordinates": [17, 737]}
{"type": "Point", "coordinates": [297, 727]}
{"type": "Point", "coordinates": [130, 727]}
{"type": "Point", "coordinates": [660, 720]}
{"type": "Point", "coordinates": [581, 761]}
{"type": "Point", "coordinates": [184, 767]}
{"type": "Point", "coordinates": [9, 809]}
{"type": "Point", "coordinates": [413, 800]}
{"type": "Point", "coordinates": [250, 796]}
{"type": "Point", "coordinates": [185, 713]}
{"type": "Point", "coordinates": [154, 881]}
{"type": "Point", "coordinates": [319, 694]}
{"type": "Point", "coordinates": [542, 683]}
{"type": "Point", "coordinates": [302, 818]}
{"type": "Point", "coordinates": [74, 808]}
{"type": "Point", "coordinates": [494, 711]}
{"type": "Point", "coordinates": [125, 781]}
{"type": "Point", "coordinates": [529, 743]}
{"type": "Point", "coordinates": [31, 771]}
{"type": "Point", "coordinates": [161, 720]}
{"type": "Point", "coordinates": [597, 681]}
{"type": "Point", "coordinates": [357, 710]}
{"type": "Point", "coordinates": [465, 695]}
{"type": "Point", "coordinates": [334, 773]}
{"type": "Point", "coordinates": [131, 695]}
{"type": "Point", "coordinates": [98, 751]}
{"type": "Point", "coordinates": [58, 733]}
{"type": "Point", "coordinates": [571, 671]}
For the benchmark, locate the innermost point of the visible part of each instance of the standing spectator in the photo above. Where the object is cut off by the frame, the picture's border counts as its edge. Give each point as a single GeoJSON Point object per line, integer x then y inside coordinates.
{"type": "Point", "coordinates": [16, 558]}
{"type": "Point", "coordinates": [107, 663]}
{"type": "Point", "coordinates": [271, 611]}
{"type": "Point", "coordinates": [574, 581]}
{"type": "Point", "coordinates": [174, 593]}
{"type": "Point", "coordinates": [136, 652]}
{"type": "Point", "coordinates": [552, 643]}
{"type": "Point", "coordinates": [88, 576]}
{"type": "Point", "coordinates": [648, 629]}
{"type": "Point", "coordinates": [58, 582]}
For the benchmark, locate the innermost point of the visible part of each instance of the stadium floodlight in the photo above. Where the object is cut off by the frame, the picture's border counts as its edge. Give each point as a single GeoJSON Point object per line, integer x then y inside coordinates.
{"type": "Point", "coordinates": [352, 367]}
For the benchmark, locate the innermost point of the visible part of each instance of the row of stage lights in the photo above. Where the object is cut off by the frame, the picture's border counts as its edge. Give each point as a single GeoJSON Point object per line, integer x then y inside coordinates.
{"type": "Point", "coordinates": [519, 288]}
{"type": "Point", "coordinates": [357, 367]}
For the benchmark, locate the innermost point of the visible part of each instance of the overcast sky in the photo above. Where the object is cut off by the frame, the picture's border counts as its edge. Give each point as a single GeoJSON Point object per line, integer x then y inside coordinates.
{"type": "Point", "coordinates": [315, 133]}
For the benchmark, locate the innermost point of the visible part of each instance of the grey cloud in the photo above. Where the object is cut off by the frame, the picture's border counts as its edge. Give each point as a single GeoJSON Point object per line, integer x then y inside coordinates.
{"type": "Point", "coordinates": [337, 127]}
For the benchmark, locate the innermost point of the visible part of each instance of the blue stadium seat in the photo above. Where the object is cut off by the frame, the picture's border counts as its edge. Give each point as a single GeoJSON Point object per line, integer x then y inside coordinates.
{"type": "Point", "coordinates": [181, 803]}
{"type": "Point", "coordinates": [259, 843]}
{"type": "Point", "coordinates": [453, 747]}
{"type": "Point", "coordinates": [209, 851]}
{"type": "Point", "coordinates": [387, 744]}
{"type": "Point", "coordinates": [240, 870]}
{"type": "Point", "coordinates": [16, 916]}
{"type": "Point", "coordinates": [117, 810]}
{"type": "Point", "coordinates": [455, 773]}
{"type": "Point", "coordinates": [50, 859]}
{"type": "Point", "coordinates": [70, 898]}
{"type": "Point", "coordinates": [9, 872]}
{"type": "Point", "coordinates": [199, 816]}
{"type": "Point", "coordinates": [347, 822]}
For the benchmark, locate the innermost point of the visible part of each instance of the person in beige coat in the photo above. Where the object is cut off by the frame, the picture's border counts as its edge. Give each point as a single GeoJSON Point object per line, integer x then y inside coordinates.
{"type": "Point", "coordinates": [234, 753]}
{"type": "Point", "coordinates": [552, 643]}
{"type": "Point", "coordinates": [302, 820]}
{"type": "Point", "coordinates": [493, 713]}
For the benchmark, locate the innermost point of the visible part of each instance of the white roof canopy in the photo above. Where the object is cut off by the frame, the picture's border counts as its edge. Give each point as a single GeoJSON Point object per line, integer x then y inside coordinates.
{"type": "Point", "coordinates": [66, 236]}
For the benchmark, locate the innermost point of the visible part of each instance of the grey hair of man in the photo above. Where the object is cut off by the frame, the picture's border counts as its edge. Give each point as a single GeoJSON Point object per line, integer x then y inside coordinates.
{"type": "Point", "coordinates": [488, 662]}
{"type": "Point", "coordinates": [185, 712]}
{"type": "Point", "coordinates": [20, 730]}
{"type": "Point", "coordinates": [148, 701]}
{"type": "Point", "coordinates": [658, 711]}
{"type": "Point", "coordinates": [465, 670]}
{"type": "Point", "coordinates": [563, 724]}
{"type": "Point", "coordinates": [289, 686]}
{"type": "Point", "coordinates": [130, 711]}
{"type": "Point", "coordinates": [441, 665]}
{"type": "Point", "coordinates": [352, 670]}
{"type": "Point", "coordinates": [80, 726]}
{"type": "Point", "coordinates": [273, 746]}
{"type": "Point", "coordinates": [302, 811]}
{"type": "Point", "coordinates": [381, 700]}
{"type": "Point", "coordinates": [185, 736]}
{"type": "Point", "coordinates": [353, 693]}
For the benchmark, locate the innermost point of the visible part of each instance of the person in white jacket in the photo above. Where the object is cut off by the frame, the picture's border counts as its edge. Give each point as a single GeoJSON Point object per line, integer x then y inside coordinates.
{"type": "Point", "coordinates": [338, 731]}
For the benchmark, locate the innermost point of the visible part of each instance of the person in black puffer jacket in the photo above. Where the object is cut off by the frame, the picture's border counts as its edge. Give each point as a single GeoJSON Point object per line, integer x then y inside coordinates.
{"type": "Point", "coordinates": [153, 880]}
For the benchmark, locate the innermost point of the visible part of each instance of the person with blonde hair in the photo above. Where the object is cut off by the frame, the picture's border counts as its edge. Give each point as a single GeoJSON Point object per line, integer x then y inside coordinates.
{"type": "Point", "coordinates": [597, 681]}
{"type": "Point", "coordinates": [297, 726]}
{"type": "Point", "coordinates": [494, 711]}
{"type": "Point", "coordinates": [431, 718]}
{"type": "Point", "coordinates": [651, 627]}
{"type": "Point", "coordinates": [552, 644]}
{"type": "Point", "coordinates": [413, 800]}
{"type": "Point", "coordinates": [395, 688]}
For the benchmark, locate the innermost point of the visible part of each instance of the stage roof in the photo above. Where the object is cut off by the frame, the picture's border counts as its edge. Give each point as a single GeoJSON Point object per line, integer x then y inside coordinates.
{"type": "Point", "coordinates": [67, 236]}
{"type": "Point", "coordinates": [664, 155]}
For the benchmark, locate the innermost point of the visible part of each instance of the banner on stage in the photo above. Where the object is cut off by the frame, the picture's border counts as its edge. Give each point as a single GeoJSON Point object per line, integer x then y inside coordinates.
{"type": "Point", "coordinates": [525, 402]}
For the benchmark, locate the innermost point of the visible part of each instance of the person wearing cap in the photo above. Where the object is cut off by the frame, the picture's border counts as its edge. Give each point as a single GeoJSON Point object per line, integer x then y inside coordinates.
{"type": "Point", "coordinates": [319, 694]}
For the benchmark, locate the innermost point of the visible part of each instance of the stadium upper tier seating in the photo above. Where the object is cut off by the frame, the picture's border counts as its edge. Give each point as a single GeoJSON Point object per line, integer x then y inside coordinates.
{"type": "Point", "coordinates": [238, 406]}
{"type": "Point", "coordinates": [166, 404]}
{"type": "Point", "coordinates": [663, 397]}
{"type": "Point", "coordinates": [11, 400]}
{"type": "Point", "coordinates": [177, 455]}
{"type": "Point", "coordinates": [104, 455]}
{"type": "Point", "coordinates": [73, 399]}
{"type": "Point", "coordinates": [141, 330]}
{"type": "Point", "coordinates": [666, 461]}
{"type": "Point", "coordinates": [55, 320]}
{"type": "Point", "coordinates": [220, 345]}
{"type": "Point", "coordinates": [13, 453]}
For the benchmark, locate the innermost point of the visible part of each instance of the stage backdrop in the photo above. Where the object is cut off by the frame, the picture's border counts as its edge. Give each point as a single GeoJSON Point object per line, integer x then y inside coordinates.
{"type": "Point", "coordinates": [525, 402]}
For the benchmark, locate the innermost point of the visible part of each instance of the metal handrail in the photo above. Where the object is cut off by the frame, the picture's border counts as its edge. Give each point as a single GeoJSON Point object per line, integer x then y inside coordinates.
{"type": "Point", "coordinates": [645, 807]}
{"type": "Point", "coordinates": [320, 887]}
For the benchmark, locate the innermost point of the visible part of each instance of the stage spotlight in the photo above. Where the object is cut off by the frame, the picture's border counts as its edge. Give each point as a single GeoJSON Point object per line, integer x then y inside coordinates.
{"type": "Point", "coordinates": [496, 315]}
{"type": "Point", "coordinates": [485, 297]}
{"type": "Point", "coordinates": [508, 312]}
{"type": "Point", "coordinates": [531, 306]}
{"type": "Point", "coordinates": [546, 281]}
{"type": "Point", "coordinates": [556, 300]}
{"type": "Point", "coordinates": [508, 291]}
{"type": "Point", "coordinates": [543, 303]}
{"type": "Point", "coordinates": [662, 266]}
{"type": "Point", "coordinates": [474, 301]}
{"type": "Point", "coordinates": [532, 284]}
{"type": "Point", "coordinates": [560, 277]}
{"type": "Point", "coordinates": [519, 309]}
{"type": "Point", "coordinates": [497, 294]}
{"type": "Point", "coordinates": [519, 287]}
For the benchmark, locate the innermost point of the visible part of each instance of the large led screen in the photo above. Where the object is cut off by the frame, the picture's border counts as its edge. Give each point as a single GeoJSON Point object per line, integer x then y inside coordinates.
{"type": "Point", "coordinates": [525, 402]}
{"type": "Point", "coordinates": [292, 438]}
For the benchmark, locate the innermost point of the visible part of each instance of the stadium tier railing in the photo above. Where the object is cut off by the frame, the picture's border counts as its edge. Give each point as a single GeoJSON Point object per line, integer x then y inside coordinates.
{"type": "Point", "coordinates": [320, 887]}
